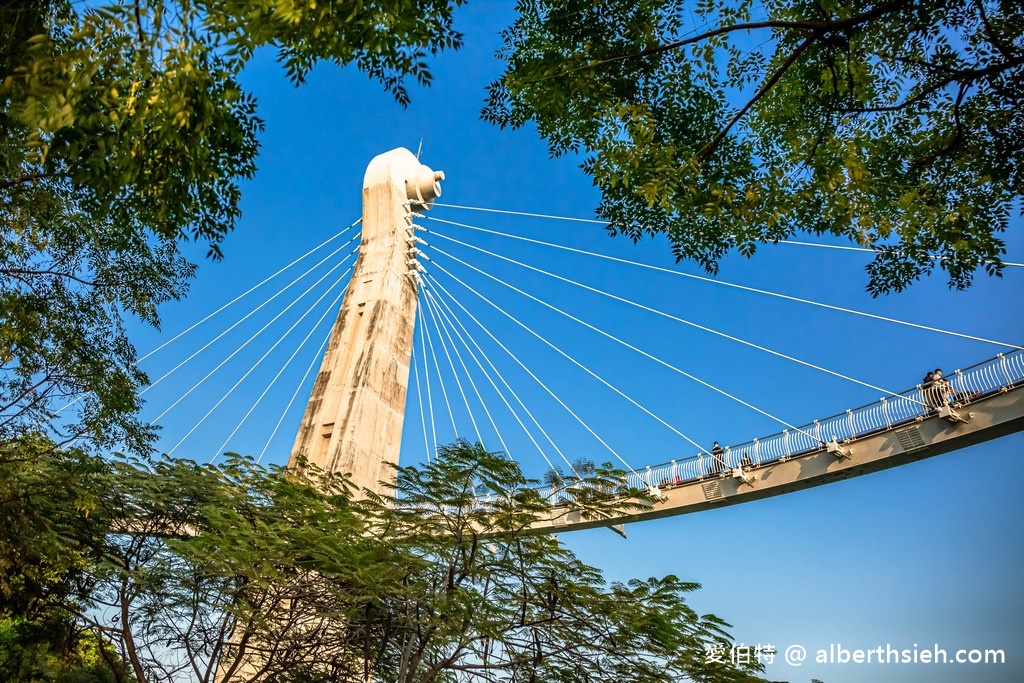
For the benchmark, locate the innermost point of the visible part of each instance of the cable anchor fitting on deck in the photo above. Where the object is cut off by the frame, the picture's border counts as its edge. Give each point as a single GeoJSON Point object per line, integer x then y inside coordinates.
{"type": "Point", "coordinates": [947, 413]}
{"type": "Point", "coordinates": [744, 476]}
{"type": "Point", "coordinates": [836, 449]}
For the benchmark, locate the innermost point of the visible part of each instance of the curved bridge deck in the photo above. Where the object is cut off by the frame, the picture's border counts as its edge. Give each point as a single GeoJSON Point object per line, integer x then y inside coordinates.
{"type": "Point", "coordinates": [985, 401]}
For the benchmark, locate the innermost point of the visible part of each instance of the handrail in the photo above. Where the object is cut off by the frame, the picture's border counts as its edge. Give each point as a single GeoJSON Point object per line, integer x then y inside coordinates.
{"type": "Point", "coordinates": [968, 385]}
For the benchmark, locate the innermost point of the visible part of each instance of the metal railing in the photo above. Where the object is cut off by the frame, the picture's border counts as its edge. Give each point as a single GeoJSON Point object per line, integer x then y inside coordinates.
{"type": "Point", "coordinates": [968, 385]}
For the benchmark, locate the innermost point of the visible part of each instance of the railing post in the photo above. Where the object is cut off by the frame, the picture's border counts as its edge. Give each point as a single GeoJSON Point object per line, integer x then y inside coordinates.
{"type": "Point", "coordinates": [675, 474]}
{"type": "Point", "coordinates": [885, 412]}
{"type": "Point", "coordinates": [785, 442]}
{"type": "Point", "coordinates": [757, 451]}
{"type": "Point", "coordinates": [817, 431]}
{"type": "Point", "coordinates": [849, 422]}
{"type": "Point", "coordinates": [1003, 363]}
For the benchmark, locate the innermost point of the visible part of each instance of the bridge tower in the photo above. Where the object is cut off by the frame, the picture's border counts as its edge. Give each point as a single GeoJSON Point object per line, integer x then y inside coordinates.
{"type": "Point", "coordinates": [353, 421]}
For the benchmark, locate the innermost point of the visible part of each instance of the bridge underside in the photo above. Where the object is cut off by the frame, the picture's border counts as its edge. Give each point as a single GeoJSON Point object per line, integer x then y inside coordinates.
{"type": "Point", "coordinates": [987, 418]}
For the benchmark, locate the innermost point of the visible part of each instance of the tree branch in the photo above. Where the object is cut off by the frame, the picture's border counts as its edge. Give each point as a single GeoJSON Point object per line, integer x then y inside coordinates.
{"type": "Point", "coordinates": [820, 27]}
{"type": "Point", "coordinates": [762, 91]}
{"type": "Point", "coordinates": [990, 31]}
{"type": "Point", "coordinates": [27, 178]}
{"type": "Point", "coordinates": [963, 77]}
{"type": "Point", "coordinates": [27, 271]}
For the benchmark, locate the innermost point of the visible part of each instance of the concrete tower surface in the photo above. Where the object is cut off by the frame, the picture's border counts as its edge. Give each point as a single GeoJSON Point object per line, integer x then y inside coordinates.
{"type": "Point", "coordinates": [353, 421]}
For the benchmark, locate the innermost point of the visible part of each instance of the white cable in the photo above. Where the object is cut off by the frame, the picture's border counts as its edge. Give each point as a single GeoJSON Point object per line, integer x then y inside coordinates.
{"type": "Point", "coordinates": [258, 285]}
{"type": "Point", "coordinates": [511, 391]}
{"type": "Point", "coordinates": [865, 249]}
{"type": "Point", "coordinates": [535, 378]}
{"type": "Point", "coordinates": [523, 213]}
{"type": "Point", "coordinates": [729, 284]}
{"type": "Point", "coordinates": [257, 364]}
{"type": "Point", "coordinates": [426, 376]}
{"type": "Point", "coordinates": [247, 341]}
{"type": "Point", "coordinates": [627, 345]}
{"type": "Point", "coordinates": [440, 378]}
{"type": "Point", "coordinates": [563, 353]}
{"type": "Point", "coordinates": [678, 319]}
{"type": "Point", "coordinates": [447, 331]}
{"type": "Point", "coordinates": [237, 298]}
{"type": "Point", "coordinates": [419, 401]}
{"type": "Point", "coordinates": [317, 356]}
{"type": "Point", "coordinates": [606, 223]}
{"type": "Point", "coordinates": [435, 302]}
{"type": "Point", "coordinates": [455, 374]}
{"type": "Point", "coordinates": [288, 362]}
{"type": "Point", "coordinates": [251, 313]}
{"type": "Point", "coordinates": [837, 247]}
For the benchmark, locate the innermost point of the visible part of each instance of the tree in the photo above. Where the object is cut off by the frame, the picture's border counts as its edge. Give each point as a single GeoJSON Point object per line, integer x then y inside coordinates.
{"type": "Point", "coordinates": [49, 545]}
{"type": "Point", "coordinates": [493, 600]}
{"type": "Point", "coordinates": [227, 573]}
{"type": "Point", "coordinates": [123, 132]}
{"type": "Point", "coordinates": [727, 124]}
{"type": "Point", "coordinates": [238, 572]}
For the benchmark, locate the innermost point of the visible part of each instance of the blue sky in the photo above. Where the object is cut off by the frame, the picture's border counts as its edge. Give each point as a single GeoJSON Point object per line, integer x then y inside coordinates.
{"type": "Point", "coordinates": [925, 554]}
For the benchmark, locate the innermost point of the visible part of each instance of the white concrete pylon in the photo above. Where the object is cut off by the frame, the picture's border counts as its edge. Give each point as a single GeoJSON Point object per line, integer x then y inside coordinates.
{"type": "Point", "coordinates": [353, 421]}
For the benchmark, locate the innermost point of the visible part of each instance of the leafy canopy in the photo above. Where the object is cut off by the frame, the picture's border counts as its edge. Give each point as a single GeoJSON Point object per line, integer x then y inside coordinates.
{"type": "Point", "coordinates": [123, 132]}
{"type": "Point", "coordinates": [188, 572]}
{"type": "Point", "coordinates": [726, 124]}
{"type": "Point", "coordinates": [49, 547]}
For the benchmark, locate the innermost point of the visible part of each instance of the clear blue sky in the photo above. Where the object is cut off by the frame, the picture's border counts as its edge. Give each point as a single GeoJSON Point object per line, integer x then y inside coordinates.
{"type": "Point", "coordinates": [925, 554]}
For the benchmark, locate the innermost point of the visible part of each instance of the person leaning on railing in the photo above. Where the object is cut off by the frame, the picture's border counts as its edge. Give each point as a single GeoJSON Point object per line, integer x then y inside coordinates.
{"type": "Point", "coordinates": [717, 459]}
{"type": "Point", "coordinates": [942, 388]}
{"type": "Point", "coordinates": [935, 389]}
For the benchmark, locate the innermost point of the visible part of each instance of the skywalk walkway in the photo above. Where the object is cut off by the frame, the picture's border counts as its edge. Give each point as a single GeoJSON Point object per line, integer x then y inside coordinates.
{"type": "Point", "coordinates": [985, 401]}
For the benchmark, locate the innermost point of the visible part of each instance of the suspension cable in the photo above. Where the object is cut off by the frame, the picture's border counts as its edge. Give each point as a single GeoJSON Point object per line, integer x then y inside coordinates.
{"type": "Point", "coordinates": [613, 338]}
{"type": "Point", "coordinates": [514, 394]}
{"type": "Point", "coordinates": [288, 362]}
{"type": "Point", "coordinates": [677, 319]}
{"type": "Point", "coordinates": [504, 382]}
{"type": "Point", "coordinates": [595, 221]}
{"type": "Point", "coordinates": [440, 378]}
{"type": "Point", "coordinates": [551, 393]}
{"type": "Point", "coordinates": [455, 374]}
{"type": "Point", "coordinates": [253, 312]}
{"type": "Point", "coordinates": [448, 329]}
{"type": "Point", "coordinates": [258, 285]}
{"type": "Point", "coordinates": [317, 356]}
{"type": "Point", "coordinates": [250, 339]}
{"type": "Point", "coordinates": [419, 401]}
{"type": "Point", "coordinates": [842, 247]}
{"type": "Point", "coordinates": [236, 299]}
{"type": "Point", "coordinates": [256, 365]}
{"type": "Point", "coordinates": [727, 284]}
{"type": "Point", "coordinates": [426, 376]}
{"type": "Point", "coordinates": [573, 360]}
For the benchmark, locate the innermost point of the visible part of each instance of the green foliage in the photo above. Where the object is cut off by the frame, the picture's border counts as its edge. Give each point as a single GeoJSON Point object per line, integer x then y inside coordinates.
{"type": "Point", "coordinates": [204, 573]}
{"type": "Point", "coordinates": [725, 124]}
{"type": "Point", "coordinates": [51, 652]}
{"type": "Point", "coordinates": [494, 600]}
{"type": "Point", "coordinates": [47, 536]}
{"type": "Point", "coordinates": [124, 131]}
{"type": "Point", "coordinates": [205, 565]}
{"type": "Point", "coordinates": [49, 545]}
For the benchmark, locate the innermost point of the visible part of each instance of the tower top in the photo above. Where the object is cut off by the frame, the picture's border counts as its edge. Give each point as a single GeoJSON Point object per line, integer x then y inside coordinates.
{"type": "Point", "coordinates": [401, 168]}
